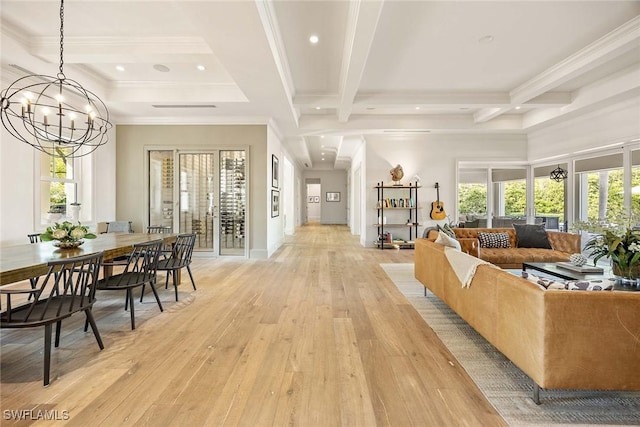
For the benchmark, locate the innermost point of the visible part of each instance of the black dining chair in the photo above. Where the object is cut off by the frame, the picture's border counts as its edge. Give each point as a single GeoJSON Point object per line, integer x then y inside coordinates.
{"type": "Point", "coordinates": [140, 269]}
{"type": "Point", "coordinates": [68, 288]}
{"type": "Point", "coordinates": [34, 237]}
{"type": "Point", "coordinates": [158, 229]}
{"type": "Point", "coordinates": [179, 258]}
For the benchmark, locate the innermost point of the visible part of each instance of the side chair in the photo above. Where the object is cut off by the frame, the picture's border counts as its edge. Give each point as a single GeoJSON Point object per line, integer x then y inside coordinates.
{"type": "Point", "coordinates": [68, 288]}
{"type": "Point", "coordinates": [140, 269]}
{"type": "Point", "coordinates": [34, 237]}
{"type": "Point", "coordinates": [177, 259]}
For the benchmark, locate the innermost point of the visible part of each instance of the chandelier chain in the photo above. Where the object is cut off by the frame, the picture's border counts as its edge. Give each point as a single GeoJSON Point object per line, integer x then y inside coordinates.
{"type": "Point", "coordinates": [61, 36]}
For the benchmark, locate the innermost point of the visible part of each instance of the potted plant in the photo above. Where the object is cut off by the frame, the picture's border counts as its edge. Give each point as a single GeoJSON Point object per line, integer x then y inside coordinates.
{"type": "Point", "coordinates": [67, 234]}
{"type": "Point", "coordinates": [620, 242]}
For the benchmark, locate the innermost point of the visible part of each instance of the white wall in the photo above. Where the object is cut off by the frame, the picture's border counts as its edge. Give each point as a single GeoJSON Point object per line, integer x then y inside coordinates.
{"type": "Point", "coordinates": [275, 225]}
{"type": "Point", "coordinates": [357, 225]}
{"type": "Point", "coordinates": [433, 158]}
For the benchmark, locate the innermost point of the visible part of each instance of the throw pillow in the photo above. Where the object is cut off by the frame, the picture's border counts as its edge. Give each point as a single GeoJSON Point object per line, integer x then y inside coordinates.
{"type": "Point", "coordinates": [591, 285]}
{"type": "Point", "coordinates": [493, 240]}
{"type": "Point", "coordinates": [446, 240]}
{"type": "Point", "coordinates": [532, 236]}
{"type": "Point", "coordinates": [543, 282]}
{"type": "Point", "coordinates": [447, 230]}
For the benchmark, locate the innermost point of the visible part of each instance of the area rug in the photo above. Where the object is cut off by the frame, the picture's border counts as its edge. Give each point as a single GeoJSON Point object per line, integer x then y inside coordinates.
{"type": "Point", "coordinates": [506, 387]}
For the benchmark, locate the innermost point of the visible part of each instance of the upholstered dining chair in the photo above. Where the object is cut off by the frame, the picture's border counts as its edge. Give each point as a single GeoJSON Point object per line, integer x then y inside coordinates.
{"type": "Point", "coordinates": [68, 288]}
{"type": "Point", "coordinates": [119, 227]}
{"type": "Point", "coordinates": [179, 258]}
{"type": "Point", "coordinates": [140, 269]}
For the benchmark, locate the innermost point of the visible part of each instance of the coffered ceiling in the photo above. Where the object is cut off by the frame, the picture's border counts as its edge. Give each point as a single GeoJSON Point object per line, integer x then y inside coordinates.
{"type": "Point", "coordinates": [385, 67]}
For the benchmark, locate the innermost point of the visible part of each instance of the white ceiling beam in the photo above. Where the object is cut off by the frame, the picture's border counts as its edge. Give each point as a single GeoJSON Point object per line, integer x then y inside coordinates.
{"type": "Point", "coordinates": [432, 100]}
{"type": "Point", "coordinates": [269, 20]}
{"type": "Point", "coordinates": [617, 42]}
{"type": "Point", "coordinates": [617, 87]}
{"type": "Point", "coordinates": [436, 123]}
{"type": "Point", "coordinates": [361, 26]}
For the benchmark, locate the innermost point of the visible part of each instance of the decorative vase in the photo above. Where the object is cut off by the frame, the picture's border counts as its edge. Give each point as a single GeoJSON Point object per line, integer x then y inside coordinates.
{"type": "Point", "coordinates": [626, 277]}
{"type": "Point", "coordinates": [75, 213]}
{"type": "Point", "coordinates": [67, 244]}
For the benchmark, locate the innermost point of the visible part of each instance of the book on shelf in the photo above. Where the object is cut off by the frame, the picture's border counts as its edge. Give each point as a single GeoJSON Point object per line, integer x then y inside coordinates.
{"type": "Point", "coordinates": [580, 268]}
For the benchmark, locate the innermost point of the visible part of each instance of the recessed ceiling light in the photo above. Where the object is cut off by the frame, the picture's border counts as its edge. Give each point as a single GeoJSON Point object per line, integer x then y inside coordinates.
{"type": "Point", "coordinates": [322, 154]}
{"type": "Point", "coordinates": [201, 67]}
{"type": "Point", "coordinates": [485, 39]}
{"type": "Point", "coordinates": [417, 108]}
{"type": "Point", "coordinates": [518, 107]}
{"type": "Point", "coordinates": [322, 136]}
{"type": "Point", "coordinates": [317, 108]}
{"type": "Point", "coordinates": [323, 158]}
{"type": "Point", "coordinates": [161, 68]}
{"type": "Point", "coordinates": [119, 68]}
{"type": "Point", "coordinates": [314, 39]}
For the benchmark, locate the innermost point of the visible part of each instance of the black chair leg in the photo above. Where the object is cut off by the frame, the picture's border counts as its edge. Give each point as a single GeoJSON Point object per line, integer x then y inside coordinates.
{"type": "Point", "coordinates": [126, 299]}
{"type": "Point", "coordinates": [155, 292]}
{"type": "Point", "coordinates": [133, 317]}
{"type": "Point", "coordinates": [47, 352]}
{"type": "Point", "coordinates": [175, 282]}
{"type": "Point", "coordinates": [191, 276]}
{"type": "Point", "coordinates": [142, 292]}
{"type": "Point", "coordinates": [58, 327]}
{"type": "Point", "coordinates": [94, 327]}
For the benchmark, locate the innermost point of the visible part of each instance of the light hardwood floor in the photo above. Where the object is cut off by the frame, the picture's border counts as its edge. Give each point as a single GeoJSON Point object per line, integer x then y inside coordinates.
{"type": "Point", "coordinates": [315, 336]}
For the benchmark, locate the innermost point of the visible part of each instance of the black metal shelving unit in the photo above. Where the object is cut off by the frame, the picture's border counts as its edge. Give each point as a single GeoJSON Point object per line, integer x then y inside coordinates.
{"type": "Point", "coordinates": [397, 204]}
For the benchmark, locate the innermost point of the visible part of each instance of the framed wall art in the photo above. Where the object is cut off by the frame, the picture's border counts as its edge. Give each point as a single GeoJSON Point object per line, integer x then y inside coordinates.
{"type": "Point", "coordinates": [275, 171]}
{"type": "Point", "coordinates": [333, 196]}
{"type": "Point", "coordinates": [275, 203]}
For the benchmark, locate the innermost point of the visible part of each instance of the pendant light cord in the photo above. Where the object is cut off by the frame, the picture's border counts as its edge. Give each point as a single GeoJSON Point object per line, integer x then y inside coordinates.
{"type": "Point", "coordinates": [61, 74]}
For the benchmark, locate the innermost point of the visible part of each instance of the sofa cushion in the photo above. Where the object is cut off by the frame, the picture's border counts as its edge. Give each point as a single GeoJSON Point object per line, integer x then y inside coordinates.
{"type": "Point", "coordinates": [494, 240]}
{"type": "Point", "coordinates": [544, 282]}
{"type": "Point", "coordinates": [447, 230]}
{"type": "Point", "coordinates": [446, 240]}
{"type": "Point", "coordinates": [532, 236]}
{"type": "Point", "coordinates": [605, 284]}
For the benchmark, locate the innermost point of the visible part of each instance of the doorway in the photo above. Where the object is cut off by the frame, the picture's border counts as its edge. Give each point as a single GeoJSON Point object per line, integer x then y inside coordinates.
{"type": "Point", "coordinates": [314, 202]}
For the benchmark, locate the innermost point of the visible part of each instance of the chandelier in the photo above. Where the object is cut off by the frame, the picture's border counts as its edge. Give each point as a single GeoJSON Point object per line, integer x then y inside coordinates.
{"type": "Point", "coordinates": [558, 174]}
{"type": "Point", "coordinates": [55, 115]}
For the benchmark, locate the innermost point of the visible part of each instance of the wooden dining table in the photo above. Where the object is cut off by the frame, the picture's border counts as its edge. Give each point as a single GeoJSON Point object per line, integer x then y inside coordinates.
{"type": "Point", "coordinates": [22, 262]}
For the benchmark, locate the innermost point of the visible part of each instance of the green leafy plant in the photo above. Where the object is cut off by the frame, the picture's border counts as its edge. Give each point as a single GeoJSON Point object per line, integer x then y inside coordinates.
{"type": "Point", "coordinates": [618, 241]}
{"type": "Point", "coordinates": [67, 232]}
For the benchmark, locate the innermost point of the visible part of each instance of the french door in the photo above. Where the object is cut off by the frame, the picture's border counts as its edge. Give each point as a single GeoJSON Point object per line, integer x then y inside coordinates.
{"type": "Point", "coordinates": [205, 194]}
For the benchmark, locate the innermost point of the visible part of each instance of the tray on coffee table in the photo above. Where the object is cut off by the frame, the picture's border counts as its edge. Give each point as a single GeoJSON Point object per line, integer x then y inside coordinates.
{"type": "Point", "coordinates": [554, 269]}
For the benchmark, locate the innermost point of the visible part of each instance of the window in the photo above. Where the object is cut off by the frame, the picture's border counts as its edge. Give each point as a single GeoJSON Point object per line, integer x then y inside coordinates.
{"type": "Point", "coordinates": [472, 196]}
{"type": "Point", "coordinates": [599, 187]}
{"type": "Point", "coordinates": [549, 197]}
{"type": "Point", "coordinates": [509, 197]}
{"type": "Point", "coordinates": [60, 185]}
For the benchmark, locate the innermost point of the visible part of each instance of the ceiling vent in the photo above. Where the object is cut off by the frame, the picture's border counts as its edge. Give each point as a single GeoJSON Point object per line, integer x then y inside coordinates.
{"type": "Point", "coordinates": [184, 106]}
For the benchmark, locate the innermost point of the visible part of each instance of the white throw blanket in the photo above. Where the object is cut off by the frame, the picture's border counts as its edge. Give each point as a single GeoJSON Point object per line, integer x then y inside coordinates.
{"type": "Point", "coordinates": [464, 265]}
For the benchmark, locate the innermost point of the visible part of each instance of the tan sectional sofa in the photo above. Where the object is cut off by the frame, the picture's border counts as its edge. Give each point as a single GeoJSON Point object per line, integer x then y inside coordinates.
{"type": "Point", "coordinates": [561, 339]}
{"type": "Point", "coordinates": [563, 244]}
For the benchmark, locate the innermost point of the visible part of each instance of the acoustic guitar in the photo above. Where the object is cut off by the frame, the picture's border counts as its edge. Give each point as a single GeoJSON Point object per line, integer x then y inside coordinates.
{"type": "Point", "coordinates": [437, 207]}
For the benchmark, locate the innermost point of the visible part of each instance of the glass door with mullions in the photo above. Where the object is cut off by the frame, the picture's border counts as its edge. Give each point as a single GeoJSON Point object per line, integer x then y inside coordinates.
{"type": "Point", "coordinates": [197, 199]}
{"type": "Point", "coordinates": [205, 194]}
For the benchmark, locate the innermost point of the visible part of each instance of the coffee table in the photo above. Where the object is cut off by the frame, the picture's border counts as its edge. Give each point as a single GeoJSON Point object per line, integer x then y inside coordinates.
{"type": "Point", "coordinates": [553, 269]}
